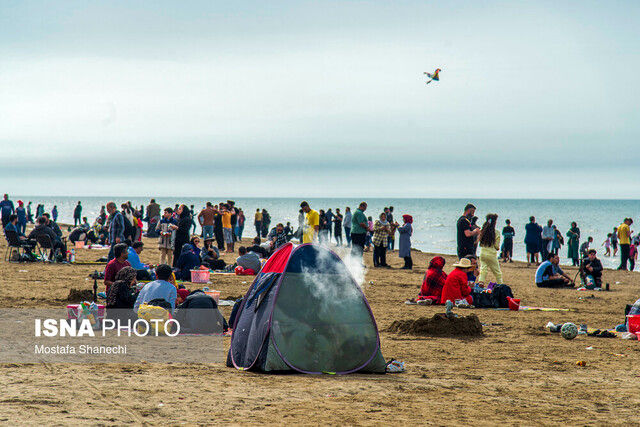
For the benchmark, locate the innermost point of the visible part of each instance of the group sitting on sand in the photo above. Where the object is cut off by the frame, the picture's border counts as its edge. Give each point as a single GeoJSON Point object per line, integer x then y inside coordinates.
{"type": "Point", "coordinates": [196, 311]}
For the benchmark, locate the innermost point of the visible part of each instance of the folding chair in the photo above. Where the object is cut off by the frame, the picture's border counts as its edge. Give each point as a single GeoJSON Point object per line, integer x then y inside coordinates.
{"type": "Point", "coordinates": [14, 245]}
{"type": "Point", "coordinates": [44, 243]}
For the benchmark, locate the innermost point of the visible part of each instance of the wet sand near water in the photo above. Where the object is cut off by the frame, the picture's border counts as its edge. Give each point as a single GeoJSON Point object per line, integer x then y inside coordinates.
{"type": "Point", "coordinates": [515, 373]}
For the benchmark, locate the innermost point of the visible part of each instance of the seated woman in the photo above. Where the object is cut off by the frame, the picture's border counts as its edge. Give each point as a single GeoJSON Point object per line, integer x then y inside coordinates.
{"type": "Point", "coordinates": [187, 261]}
{"type": "Point", "coordinates": [122, 295]}
{"type": "Point", "coordinates": [455, 286]}
{"type": "Point", "coordinates": [433, 282]}
{"type": "Point", "coordinates": [210, 256]}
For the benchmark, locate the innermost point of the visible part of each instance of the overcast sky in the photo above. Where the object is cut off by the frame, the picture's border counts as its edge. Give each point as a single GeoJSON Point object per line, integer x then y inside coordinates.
{"type": "Point", "coordinates": [536, 99]}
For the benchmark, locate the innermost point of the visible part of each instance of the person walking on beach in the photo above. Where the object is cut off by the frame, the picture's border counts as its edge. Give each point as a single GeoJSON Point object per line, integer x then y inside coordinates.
{"type": "Point", "coordinates": [547, 239]}
{"type": "Point", "coordinates": [532, 240]}
{"type": "Point", "coordinates": [489, 246]}
{"type": "Point", "coordinates": [6, 210]}
{"type": "Point", "coordinates": [347, 225]}
{"type": "Point", "coordinates": [467, 232]}
{"type": "Point", "coordinates": [573, 244]}
{"type": "Point", "coordinates": [77, 215]}
{"type": "Point", "coordinates": [624, 238]}
{"type": "Point", "coordinates": [507, 243]}
{"type": "Point", "coordinates": [54, 213]}
{"type": "Point", "coordinates": [614, 241]}
{"type": "Point", "coordinates": [607, 245]}
{"type": "Point", "coordinates": [312, 223]}
{"type": "Point", "coordinates": [558, 241]}
{"type": "Point", "coordinates": [359, 227]}
{"type": "Point", "coordinates": [404, 244]}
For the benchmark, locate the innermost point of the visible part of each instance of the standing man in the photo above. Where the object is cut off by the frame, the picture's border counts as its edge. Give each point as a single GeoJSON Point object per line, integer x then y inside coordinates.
{"type": "Point", "coordinates": [6, 210]}
{"type": "Point", "coordinates": [312, 223]}
{"type": "Point", "coordinates": [548, 233]}
{"type": "Point", "coordinates": [77, 215]}
{"type": "Point", "coordinates": [467, 232]}
{"type": "Point", "coordinates": [624, 238]}
{"type": "Point", "coordinates": [391, 240]}
{"type": "Point", "coordinates": [257, 222]}
{"type": "Point", "coordinates": [206, 220]}
{"type": "Point", "coordinates": [359, 227]}
{"type": "Point", "coordinates": [227, 230]}
{"type": "Point", "coordinates": [347, 225]}
{"type": "Point", "coordinates": [116, 228]}
{"type": "Point", "coordinates": [329, 215]}
{"type": "Point", "coordinates": [153, 218]}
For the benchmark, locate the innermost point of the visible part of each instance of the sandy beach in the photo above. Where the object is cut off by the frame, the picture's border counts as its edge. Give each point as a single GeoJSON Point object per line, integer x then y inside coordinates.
{"type": "Point", "coordinates": [517, 373]}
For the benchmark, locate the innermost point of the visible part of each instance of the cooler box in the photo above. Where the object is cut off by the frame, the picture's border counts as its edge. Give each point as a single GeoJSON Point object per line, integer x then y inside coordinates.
{"type": "Point", "coordinates": [200, 276]}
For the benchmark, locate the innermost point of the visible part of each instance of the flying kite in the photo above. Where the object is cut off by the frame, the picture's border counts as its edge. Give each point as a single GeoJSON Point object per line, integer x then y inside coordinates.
{"type": "Point", "coordinates": [435, 76]}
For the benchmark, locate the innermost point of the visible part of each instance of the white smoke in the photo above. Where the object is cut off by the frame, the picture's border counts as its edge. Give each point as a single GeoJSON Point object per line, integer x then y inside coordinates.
{"type": "Point", "coordinates": [324, 284]}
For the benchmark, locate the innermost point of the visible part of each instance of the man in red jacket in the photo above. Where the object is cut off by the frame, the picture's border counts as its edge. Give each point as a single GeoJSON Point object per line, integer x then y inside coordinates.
{"type": "Point", "coordinates": [456, 287]}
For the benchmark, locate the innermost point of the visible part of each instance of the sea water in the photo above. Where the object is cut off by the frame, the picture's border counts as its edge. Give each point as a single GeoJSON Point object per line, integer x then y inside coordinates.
{"type": "Point", "coordinates": [434, 219]}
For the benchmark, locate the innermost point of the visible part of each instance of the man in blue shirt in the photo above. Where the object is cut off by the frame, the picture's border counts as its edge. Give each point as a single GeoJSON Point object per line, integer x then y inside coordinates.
{"type": "Point", "coordinates": [6, 210]}
{"type": "Point", "coordinates": [550, 275]}
{"type": "Point", "coordinates": [158, 289]}
{"type": "Point", "coordinates": [134, 252]}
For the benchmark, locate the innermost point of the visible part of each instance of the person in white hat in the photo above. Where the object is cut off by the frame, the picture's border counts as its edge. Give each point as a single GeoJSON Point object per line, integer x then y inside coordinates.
{"type": "Point", "coordinates": [456, 287]}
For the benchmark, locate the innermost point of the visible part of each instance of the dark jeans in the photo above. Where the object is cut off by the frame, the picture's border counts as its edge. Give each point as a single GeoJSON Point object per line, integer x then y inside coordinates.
{"type": "Point", "coordinates": [357, 247]}
{"type": "Point", "coordinates": [391, 243]}
{"type": "Point", "coordinates": [347, 235]}
{"type": "Point", "coordinates": [553, 283]}
{"type": "Point", "coordinates": [463, 252]}
{"type": "Point", "coordinates": [624, 256]}
{"type": "Point", "coordinates": [380, 255]}
{"type": "Point", "coordinates": [258, 228]}
{"type": "Point", "coordinates": [544, 249]}
{"type": "Point", "coordinates": [408, 263]}
{"type": "Point", "coordinates": [76, 221]}
{"type": "Point", "coordinates": [111, 254]}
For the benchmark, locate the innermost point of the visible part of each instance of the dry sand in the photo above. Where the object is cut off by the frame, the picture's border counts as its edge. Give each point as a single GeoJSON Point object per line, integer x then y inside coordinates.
{"type": "Point", "coordinates": [517, 373]}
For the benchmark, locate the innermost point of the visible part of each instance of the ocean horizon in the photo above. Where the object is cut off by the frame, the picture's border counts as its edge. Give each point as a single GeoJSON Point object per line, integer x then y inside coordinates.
{"type": "Point", "coordinates": [434, 218]}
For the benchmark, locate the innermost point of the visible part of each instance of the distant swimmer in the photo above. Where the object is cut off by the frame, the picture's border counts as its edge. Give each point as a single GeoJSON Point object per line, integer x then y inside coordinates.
{"type": "Point", "coordinates": [435, 76]}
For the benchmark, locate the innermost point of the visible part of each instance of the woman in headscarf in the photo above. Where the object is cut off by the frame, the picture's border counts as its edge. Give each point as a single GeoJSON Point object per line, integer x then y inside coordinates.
{"type": "Point", "coordinates": [404, 246]}
{"type": "Point", "coordinates": [489, 246]}
{"type": "Point", "coordinates": [187, 261]}
{"type": "Point", "coordinates": [182, 232]}
{"type": "Point", "coordinates": [574, 242]}
{"type": "Point", "coordinates": [122, 295]}
{"type": "Point", "coordinates": [433, 282]}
